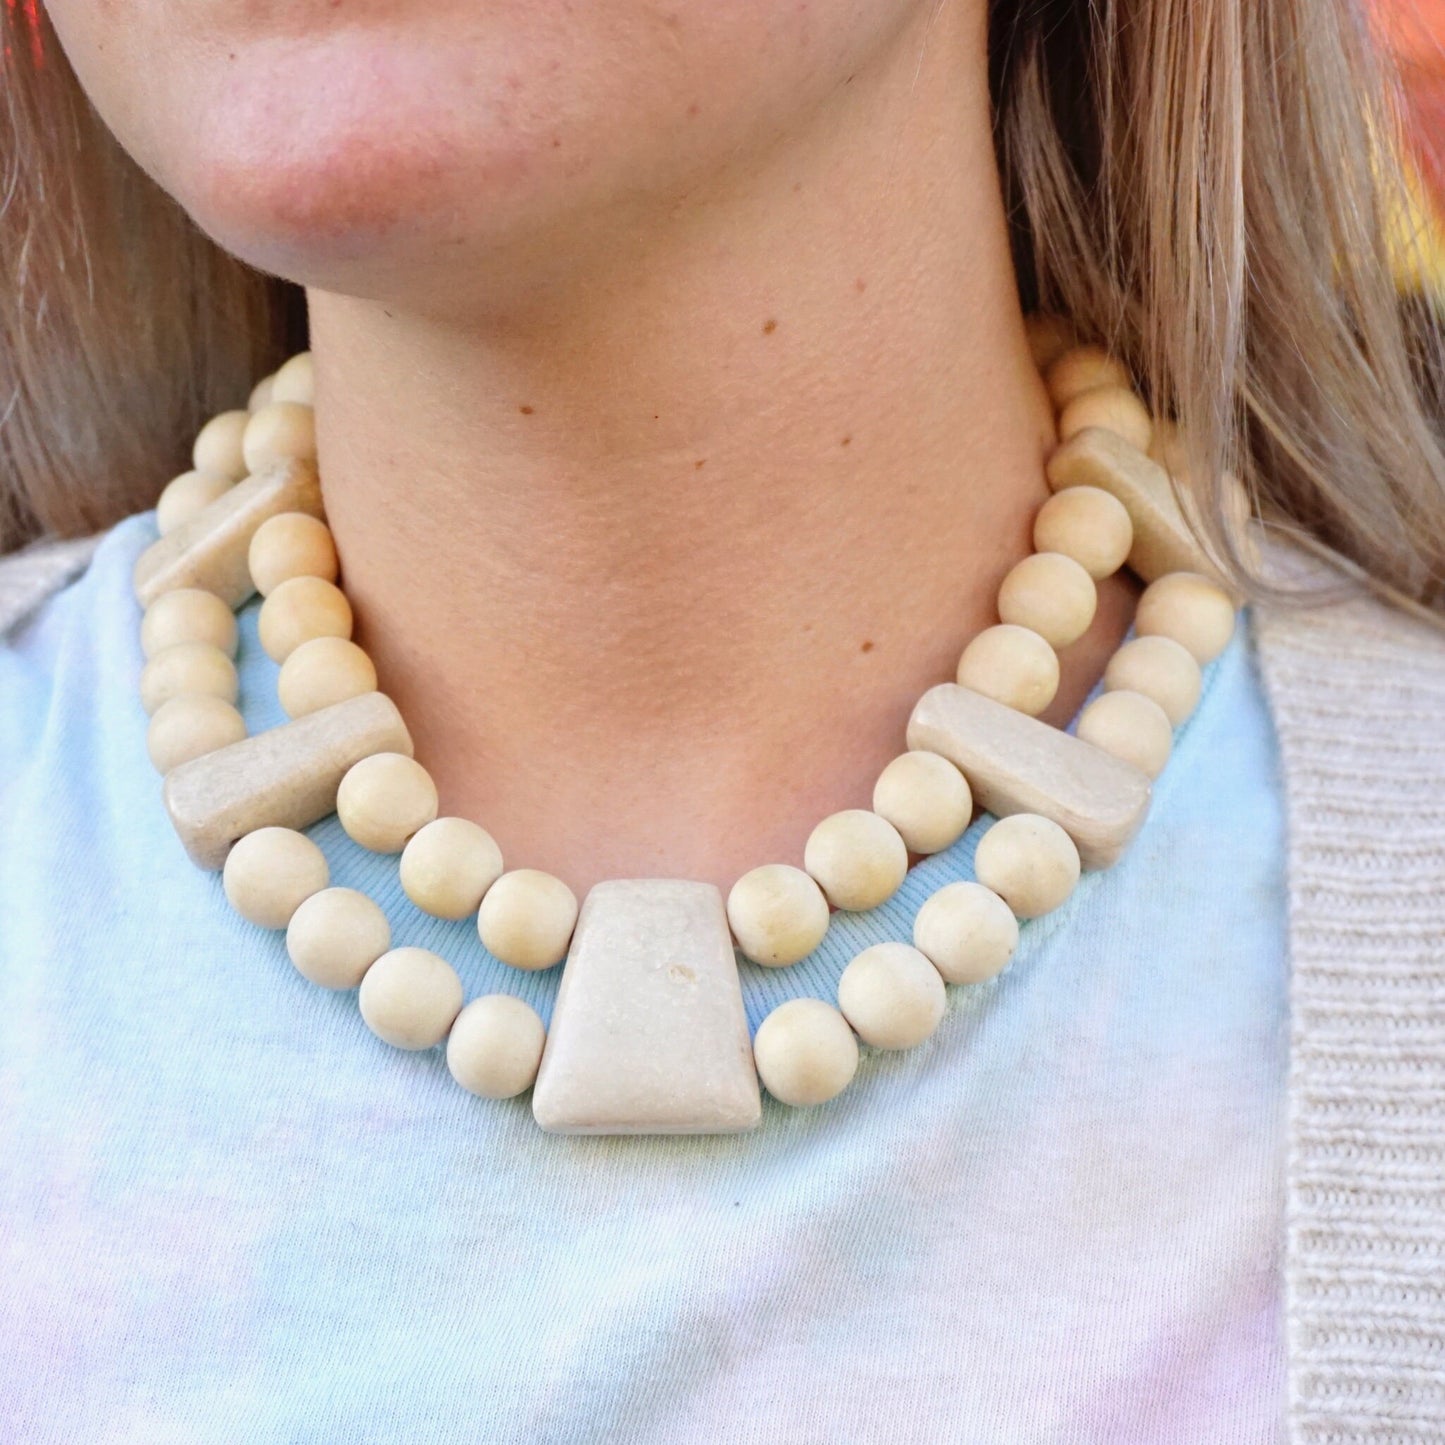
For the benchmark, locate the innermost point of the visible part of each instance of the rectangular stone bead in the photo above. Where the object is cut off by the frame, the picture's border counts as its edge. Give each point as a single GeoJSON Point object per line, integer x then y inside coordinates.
{"type": "Point", "coordinates": [1016, 764]}
{"type": "Point", "coordinates": [284, 778]}
{"type": "Point", "coordinates": [210, 551]}
{"type": "Point", "coordinates": [648, 1033]}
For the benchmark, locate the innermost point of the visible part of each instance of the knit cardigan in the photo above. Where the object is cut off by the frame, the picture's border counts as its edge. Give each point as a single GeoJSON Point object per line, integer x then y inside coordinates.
{"type": "Point", "coordinates": [1357, 692]}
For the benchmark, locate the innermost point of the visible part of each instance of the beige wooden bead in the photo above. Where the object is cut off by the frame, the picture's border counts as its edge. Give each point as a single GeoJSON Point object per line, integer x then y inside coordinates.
{"type": "Point", "coordinates": [1081, 369]}
{"type": "Point", "coordinates": [187, 615]}
{"type": "Point", "coordinates": [188, 667]}
{"type": "Point", "coordinates": [926, 798]}
{"type": "Point", "coordinates": [261, 393]}
{"type": "Point", "coordinates": [187, 496]}
{"type": "Point", "coordinates": [448, 866]}
{"type": "Point", "coordinates": [276, 431]}
{"type": "Point", "coordinates": [218, 447]}
{"type": "Point", "coordinates": [295, 380]}
{"type": "Point", "coordinates": [270, 873]}
{"type": "Point", "coordinates": [778, 914]}
{"type": "Point", "coordinates": [409, 998]}
{"type": "Point", "coordinates": [321, 672]}
{"type": "Point", "coordinates": [1130, 726]}
{"type": "Point", "coordinates": [1197, 613]}
{"type": "Point", "coordinates": [335, 936]}
{"type": "Point", "coordinates": [297, 611]}
{"type": "Point", "coordinates": [1051, 594]}
{"type": "Point", "coordinates": [1029, 861]}
{"type": "Point", "coordinates": [291, 544]}
{"type": "Point", "coordinates": [1115, 408]}
{"type": "Point", "coordinates": [805, 1052]}
{"type": "Point", "coordinates": [1049, 337]}
{"type": "Point", "coordinates": [384, 799]}
{"type": "Point", "coordinates": [856, 858]}
{"type": "Point", "coordinates": [190, 726]}
{"type": "Point", "coordinates": [892, 996]}
{"type": "Point", "coordinates": [1088, 524]}
{"type": "Point", "coordinates": [526, 919]}
{"type": "Point", "coordinates": [1012, 665]}
{"type": "Point", "coordinates": [495, 1046]}
{"type": "Point", "coordinates": [1160, 668]}
{"type": "Point", "coordinates": [966, 931]}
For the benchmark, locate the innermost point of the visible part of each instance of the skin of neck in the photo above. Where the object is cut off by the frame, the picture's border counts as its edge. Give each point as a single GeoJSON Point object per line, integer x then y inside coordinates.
{"type": "Point", "coordinates": [657, 529]}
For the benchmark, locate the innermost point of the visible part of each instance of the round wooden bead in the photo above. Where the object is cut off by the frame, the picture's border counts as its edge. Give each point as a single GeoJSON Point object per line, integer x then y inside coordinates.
{"type": "Point", "coordinates": [194, 667]}
{"type": "Point", "coordinates": [778, 914]}
{"type": "Point", "coordinates": [270, 873]}
{"type": "Point", "coordinates": [495, 1046]}
{"type": "Point", "coordinates": [1160, 668]}
{"type": "Point", "coordinates": [805, 1052]}
{"type": "Point", "coordinates": [409, 998]}
{"type": "Point", "coordinates": [335, 936]}
{"type": "Point", "coordinates": [856, 858]}
{"type": "Point", "coordinates": [891, 995]}
{"type": "Point", "coordinates": [1029, 861]}
{"type": "Point", "coordinates": [292, 544]}
{"type": "Point", "coordinates": [1012, 665]}
{"type": "Point", "coordinates": [295, 380]}
{"type": "Point", "coordinates": [323, 671]}
{"type": "Point", "coordinates": [1081, 369]}
{"type": "Point", "coordinates": [526, 919]}
{"type": "Point", "coordinates": [218, 448]}
{"type": "Point", "coordinates": [261, 393]}
{"type": "Point", "coordinates": [1197, 613]}
{"type": "Point", "coordinates": [187, 496]}
{"type": "Point", "coordinates": [1049, 337]}
{"type": "Point", "coordinates": [189, 726]}
{"type": "Point", "coordinates": [1088, 524]}
{"type": "Point", "coordinates": [448, 866]}
{"type": "Point", "coordinates": [1051, 594]}
{"type": "Point", "coordinates": [966, 931]}
{"type": "Point", "coordinates": [298, 610]}
{"type": "Point", "coordinates": [1115, 408]}
{"type": "Point", "coordinates": [188, 615]}
{"type": "Point", "coordinates": [276, 431]}
{"type": "Point", "coordinates": [1130, 726]}
{"type": "Point", "coordinates": [384, 799]}
{"type": "Point", "coordinates": [926, 798]}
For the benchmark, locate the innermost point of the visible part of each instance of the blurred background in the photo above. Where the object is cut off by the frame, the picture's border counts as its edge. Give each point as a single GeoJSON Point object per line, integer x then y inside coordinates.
{"type": "Point", "coordinates": [1414, 30]}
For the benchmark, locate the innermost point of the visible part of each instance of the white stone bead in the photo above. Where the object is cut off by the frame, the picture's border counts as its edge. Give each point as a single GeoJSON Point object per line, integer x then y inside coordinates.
{"type": "Point", "coordinates": [295, 380]}
{"type": "Point", "coordinates": [778, 914]}
{"type": "Point", "coordinates": [805, 1053]}
{"type": "Point", "coordinates": [892, 996]}
{"type": "Point", "coordinates": [856, 858]}
{"type": "Point", "coordinates": [270, 873]}
{"type": "Point", "coordinates": [321, 672]}
{"type": "Point", "coordinates": [1029, 861]}
{"type": "Point", "coordinates": [384, 799]}
{"type": "Point", "coordinates": [1049, 337]}
{"type": "Point", "coordinates": [190, 726]}
{"type": "Point", "coordinates": [495, 1046]}
{"type": "Point", "coordinates": [261, 393]}
{"type": "Point", "coordinates": [926, 798]}
{"type": "Point", "coordinates": [966, 931]}
{"type": "Point", "coordinates": [409, 998]}
{"type": "Point", "coordinates": [276, 431]}
{"type": "Point", "coordinates": [194, 667]}
{"type": "Point", "coordinates": [1197, 613]}
{"type": "Point", "coordinates": [291, 544]}
{"type": "Point", "coordinates": [1081, 369]}
{"type": "Point", "coordinates": [1130, 726]}
{"type": "Point", "coordinates": [1088, 524]}
{"type": "Point", "coordinates": [1012, 665]}
{"type": "Point", "coordinates": [1051, 594]}
{"type": "Point", "coordinates": [526, 919]}
{"type": "Point", "coordinates": [448, 866]}
{"type": "Point", "coordinates": [218, 447]}
{"type": "Point", "coordinates": [335, 936]}
{"type": "Point", "coordinates": [297, 611]}
{"type": "Point", "coordinates": [1115, 408]}
{"type": "Point", "coordinates": [188, 615]}
{"type": "Point", "coordinates": [187, 496]}
{"type": "Point", "coordinates": [1160, 668]}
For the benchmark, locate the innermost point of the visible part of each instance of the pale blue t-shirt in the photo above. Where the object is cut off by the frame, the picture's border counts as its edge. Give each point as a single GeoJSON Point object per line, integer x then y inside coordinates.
{"type": "Point", "coordinates": [228, 1213]}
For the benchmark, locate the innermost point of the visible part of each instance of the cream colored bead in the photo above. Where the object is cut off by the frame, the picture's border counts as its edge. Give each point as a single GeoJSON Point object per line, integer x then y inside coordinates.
{"type": "Point", "coordinates": [1012, 665]}
{"type": "Point", "coordinates": [495, 1046]}
{"type": "Point", "coordinates": [1160, 668]}
{"type": "Point", "coordinates": [1115, 408]}
{"type": "Point", "coordinates": [297, 611]}
{"type": "Point", "coordinates": [1029, 861]}
{"type": "Point", "coordinates": [190, 726]}
{"type": "Point", "coordinates": [270, 873]}
{"type": "Point", "coordinates": [448, 866]}
{"type": "Point", "coordinates": [1082, 369]}
{"type": "Point", "coordinates": [857, 858]}
{"type": "Point", "coordinates": [526, 919]}
{"type": "Point", "coordinates": [966, 931]}
{"type": "Point", "coordinates": [778, 914]}
{"type": "Point", "coordinates": [292, 544]}
{"type": "Point", "coordinates": [409, 998]}
{"type": "Point", "coordinates": [1049, 337]}
{"type": "Point", "coordinates": [321, 672]}
{"type": "Point", "coordinates": [278, 430]}
{"type": "Point", "coordinates": [1130, 726]}
{"type": "Point", "coordinates": [335, 936]}
{"type": "Point", "coordinates": [1051, 594]}
{"type": "Point", "coordinates": [188, 667]}
{"type": "Point", "coordinates": [187, 496]}
{"type": "Point", "coordinates": [295, 380]}
{"type": "Point", "coordinates": [1089, 525]}
{"type": "Point", "coordinates": [926, 798]}
{"type": "Point", "coordinates": [805, 1052]}
{"type": "Point", "coordinates": [187, 615]}
{"type": "Point", "coordinates": [1197, 613]}
{"type": "Point", "coordinates": [384, 799]}
{"type": "Point", "coordinates": [892, 996]}
{"type": "Point", "coordinates": [218, 448]}
{"type": "Point", "coordinates": [261, 393]}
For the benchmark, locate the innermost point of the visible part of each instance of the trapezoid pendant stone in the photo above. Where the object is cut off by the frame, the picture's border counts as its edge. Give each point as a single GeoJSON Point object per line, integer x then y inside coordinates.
{"type": "Point", "coordinates": [648, 1033]}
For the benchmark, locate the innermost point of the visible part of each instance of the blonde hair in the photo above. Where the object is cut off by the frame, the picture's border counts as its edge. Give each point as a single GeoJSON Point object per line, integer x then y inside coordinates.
{"type": "Point", "coordinates": [1201, 185]}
